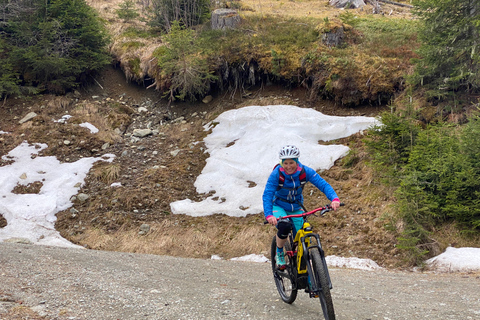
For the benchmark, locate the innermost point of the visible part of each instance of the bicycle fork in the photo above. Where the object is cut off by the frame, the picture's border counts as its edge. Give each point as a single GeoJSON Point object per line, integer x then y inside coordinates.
{"type": "Point", "coordinates": [306, 253]}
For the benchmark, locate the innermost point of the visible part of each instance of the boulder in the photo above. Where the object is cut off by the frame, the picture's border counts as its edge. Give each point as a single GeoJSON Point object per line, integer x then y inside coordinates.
{"type": "Point", "coordinates": [141, 133]}
{"type": "Point", "coordinates": [28, 117]}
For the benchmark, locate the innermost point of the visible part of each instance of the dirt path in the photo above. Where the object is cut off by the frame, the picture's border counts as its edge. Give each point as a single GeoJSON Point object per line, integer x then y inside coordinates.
{"type": "Point", "coordinates": [61, 283]}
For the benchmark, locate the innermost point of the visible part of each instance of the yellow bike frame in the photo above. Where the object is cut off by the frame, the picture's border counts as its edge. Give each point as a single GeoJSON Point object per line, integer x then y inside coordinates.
{"type": "Point", "coordinates": [306, 229]}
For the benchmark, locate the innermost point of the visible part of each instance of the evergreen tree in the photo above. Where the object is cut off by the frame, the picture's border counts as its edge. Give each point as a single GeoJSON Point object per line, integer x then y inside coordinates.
{"type": "Point", "coordinates": [54, 44]}
{"type": "Point", "coordinates": [450, 44]}
{"type": "Point", "coordinates": [8, 77]}
{"type": "Point", "coordinates": [182, 62]}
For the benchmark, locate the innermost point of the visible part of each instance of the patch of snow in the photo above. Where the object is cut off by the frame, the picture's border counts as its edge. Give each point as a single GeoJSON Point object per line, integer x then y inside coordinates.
{"type": "Point", "coordinates": [243, 148]}
{"type": "Point", "coordinates": [352, 263]}
{"type": "Point", "coordinates": [252, 258]}
{"type": "Point", "coordinates": [456, 259]}
{"type": "Point", "coordinates": [32, 216]}
{"type": "Point", "coordinates": [89, 126]}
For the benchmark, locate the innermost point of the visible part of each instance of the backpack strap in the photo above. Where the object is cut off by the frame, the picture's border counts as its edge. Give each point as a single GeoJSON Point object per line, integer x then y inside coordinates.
{"type": "Point", "coordinates": [281, 178]}
{"type": "Point", "coordinates": [303, 177]}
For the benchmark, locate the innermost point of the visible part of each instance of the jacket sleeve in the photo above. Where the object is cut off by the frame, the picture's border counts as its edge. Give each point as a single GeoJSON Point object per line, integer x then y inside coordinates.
{"type": "Point", "coordinates": [320, 183]}
{"type": "Point", "coordinates": [269, 193]}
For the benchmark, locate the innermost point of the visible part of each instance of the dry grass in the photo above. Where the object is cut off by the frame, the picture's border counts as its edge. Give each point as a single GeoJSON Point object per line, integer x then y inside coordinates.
{"type": "Point", "coordinates": [33, 187]}
{"type": "Point", "coordinates": [318, 9]}
{"type": "Point", "coordinates": [106, 172]}
{"type": "Point", "coordinates": [187, 237]}
{"type": "Point", "coordinates": [21, 313]}
{"type": "Point", "coordinates": [90, 112]}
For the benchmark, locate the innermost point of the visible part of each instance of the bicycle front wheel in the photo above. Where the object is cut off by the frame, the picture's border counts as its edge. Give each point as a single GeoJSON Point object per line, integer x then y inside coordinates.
{"type": "Point", "coordinates": [321, 279]}
{"type": "Point", "coordinates": [284, 279]}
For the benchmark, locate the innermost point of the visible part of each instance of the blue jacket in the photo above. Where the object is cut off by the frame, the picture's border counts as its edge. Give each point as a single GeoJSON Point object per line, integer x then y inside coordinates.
{"type": "Point", "coordinates": [289, 197]}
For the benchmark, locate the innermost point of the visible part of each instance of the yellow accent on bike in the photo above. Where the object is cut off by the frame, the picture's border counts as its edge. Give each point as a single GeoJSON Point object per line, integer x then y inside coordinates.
{"type": "Point", "coordinates": [306, 229]}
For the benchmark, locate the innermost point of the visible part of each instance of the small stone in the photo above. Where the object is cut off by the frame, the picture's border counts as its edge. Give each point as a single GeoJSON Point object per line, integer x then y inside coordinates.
{"type": "Point", "coordinates": [174, 153]}
{"type": "Point", "coordinates": [144, 229]}
{"type": "Point", "coordinates": [207, 99]}
{"type": "Point", "coordinates": [141, 133]}
{"type": "Point", "coordinates": [82, 197]}
{"type": "Point", "coordinates": [28, 117]}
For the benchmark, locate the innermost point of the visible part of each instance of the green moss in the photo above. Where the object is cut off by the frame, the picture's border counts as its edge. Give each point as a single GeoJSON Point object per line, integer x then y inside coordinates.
{"type": "Point", "coordinates": [132, 45]}
{"type": "Point", "coordinates": [133, 32]}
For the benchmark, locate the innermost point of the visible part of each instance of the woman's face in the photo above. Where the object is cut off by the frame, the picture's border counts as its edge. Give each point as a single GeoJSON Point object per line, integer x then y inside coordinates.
{"type": "Point", "coordinates": [290, 166]}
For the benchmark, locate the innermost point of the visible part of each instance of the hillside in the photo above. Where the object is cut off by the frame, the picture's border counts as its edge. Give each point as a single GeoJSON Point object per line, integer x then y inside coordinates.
{"type": "Point", "coordinates": [161, 168]}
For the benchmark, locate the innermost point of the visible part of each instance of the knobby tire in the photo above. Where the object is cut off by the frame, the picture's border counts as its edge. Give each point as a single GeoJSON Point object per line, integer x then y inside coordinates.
{"type": "Point", "coordinates": [284, 280]}
{"type": "Point", "coordinates": [321, 279]}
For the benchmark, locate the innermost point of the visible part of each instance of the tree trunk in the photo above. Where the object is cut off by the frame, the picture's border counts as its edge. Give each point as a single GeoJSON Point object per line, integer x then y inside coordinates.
{"type": "Point", "coordinates": [225, 18]}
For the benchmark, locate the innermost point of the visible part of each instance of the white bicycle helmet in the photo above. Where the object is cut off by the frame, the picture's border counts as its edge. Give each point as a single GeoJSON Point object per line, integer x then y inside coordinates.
{"type": "Point", "coordinates": [289, 152]}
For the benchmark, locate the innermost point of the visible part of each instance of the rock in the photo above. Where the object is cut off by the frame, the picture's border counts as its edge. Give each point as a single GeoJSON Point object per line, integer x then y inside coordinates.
{"type": "Point", "coordinates": [347, 4]}
{"type": "Point", "coordinates": [23, 176]}
{"type": "Point", "coordinates": [82, 197]}
{"type": "Point", "coordinates": [207, 99]}
{"type": "Point", "coordinates": [174, 153]}
{"type": "Point", "coordinates": [105, 146]}
{"type": "Point", "coordinates": [67, 142]}
{"type": "Point", "coordinates": [142, 109]}
{"type": "Point", "coordinates": [141, 133]}
{"type": "Point", "coordinates": [225, 19]}
{"type": "Point", "coordinates": [28, 117]}
{"type": "Point", "coordinates": [144, 229]}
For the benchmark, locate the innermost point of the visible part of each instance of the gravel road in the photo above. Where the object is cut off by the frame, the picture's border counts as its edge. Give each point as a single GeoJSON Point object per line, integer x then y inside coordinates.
{"type": "Point", "coordinates": [66, 283]}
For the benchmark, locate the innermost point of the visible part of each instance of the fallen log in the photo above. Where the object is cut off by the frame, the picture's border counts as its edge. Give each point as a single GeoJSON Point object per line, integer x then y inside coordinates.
{"type": "Point", "coordinates": [397, 3]}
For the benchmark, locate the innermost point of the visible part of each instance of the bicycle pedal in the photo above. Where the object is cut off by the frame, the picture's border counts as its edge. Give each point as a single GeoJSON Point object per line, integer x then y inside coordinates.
{"type": "Point", "coordinates": [311, 294]}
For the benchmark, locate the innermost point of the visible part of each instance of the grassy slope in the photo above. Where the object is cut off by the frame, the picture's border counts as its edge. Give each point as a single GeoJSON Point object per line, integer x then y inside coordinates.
{"type": "Point", "coordinates": [110, 220]}
{"type": "Point", "coordinates": [359, 230]}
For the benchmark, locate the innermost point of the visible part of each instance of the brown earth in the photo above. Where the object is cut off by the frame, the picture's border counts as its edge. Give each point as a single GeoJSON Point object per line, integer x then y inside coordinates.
{"type": "Point", "coordinates": [110, 219]}
{"type": "Point", "coordinates": [162, 168]}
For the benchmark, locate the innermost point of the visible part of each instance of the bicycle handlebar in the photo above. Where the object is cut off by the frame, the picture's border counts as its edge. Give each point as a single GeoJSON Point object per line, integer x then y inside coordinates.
{"type": "Point", "coordinates": [322, 210]}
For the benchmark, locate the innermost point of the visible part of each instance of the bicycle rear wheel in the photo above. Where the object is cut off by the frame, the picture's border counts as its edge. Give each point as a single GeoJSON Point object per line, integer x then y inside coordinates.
{"type": "Point", "coordinates": [321, 279]}
{"type": "Point", "coordinates": [284, 280]}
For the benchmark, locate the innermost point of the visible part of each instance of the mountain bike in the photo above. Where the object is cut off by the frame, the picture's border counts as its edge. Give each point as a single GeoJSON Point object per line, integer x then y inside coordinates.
{"type": "Point", "coordinates": [306, 267]}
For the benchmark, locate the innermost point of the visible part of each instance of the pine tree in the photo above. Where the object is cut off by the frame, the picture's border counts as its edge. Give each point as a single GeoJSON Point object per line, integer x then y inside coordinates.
{"type": "Point", "coordinates": [54, 44]}
{"type": "Point", "coordinates": [450, 44]}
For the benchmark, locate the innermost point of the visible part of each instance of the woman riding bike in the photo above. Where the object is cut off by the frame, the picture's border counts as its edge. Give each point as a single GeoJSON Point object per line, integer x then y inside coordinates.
{"type": "Point", "coordinates": [283, 195]}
